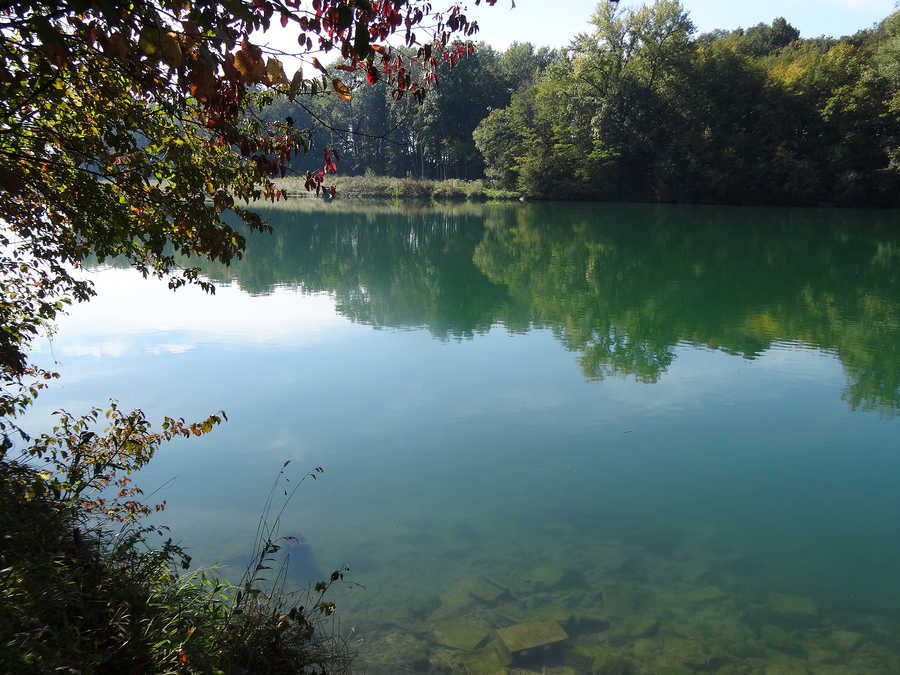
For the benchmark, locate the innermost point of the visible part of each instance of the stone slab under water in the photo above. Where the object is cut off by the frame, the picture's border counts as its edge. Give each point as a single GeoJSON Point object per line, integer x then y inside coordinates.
{"type": "Point", "coordinates": [525, 636]}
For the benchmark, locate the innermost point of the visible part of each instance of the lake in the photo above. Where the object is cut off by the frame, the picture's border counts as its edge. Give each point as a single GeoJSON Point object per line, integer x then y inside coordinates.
{"type": "Point", "coordinates": [670, 432]}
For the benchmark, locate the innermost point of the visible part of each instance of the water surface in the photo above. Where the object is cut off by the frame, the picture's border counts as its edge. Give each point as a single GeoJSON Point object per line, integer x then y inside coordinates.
{"type": "Point", "coordinates": [670, 430]}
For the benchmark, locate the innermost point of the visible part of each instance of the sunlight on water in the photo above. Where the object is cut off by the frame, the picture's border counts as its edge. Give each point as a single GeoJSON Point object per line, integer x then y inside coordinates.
{"type": "Point", "coordinates": [661, 438]}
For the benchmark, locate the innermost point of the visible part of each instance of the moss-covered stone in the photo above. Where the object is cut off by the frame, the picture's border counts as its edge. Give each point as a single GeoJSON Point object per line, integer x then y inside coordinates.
{"type": "Point", "coordinates": [538, 609]}
{"type": "Point", "coordinates": [686, 653]}
{"type": "Point", "coordinates": [639, 626]}
{"type": "Point", "coordinates": [396, 652]}
{"type": "Point", "coordinates": [785, 665]}
{"type": "Point", "coordinates": [777, 637]}
{"type": "Point", "coordinates": [462, 595]}
{"type": "Point", "coordinates": [485, 660]}
{"type": "Point", "coordinates": [704, 595]}
{"type": "Point", "coordinates": [874, 658]}
{"type": "Point", "coordinates": [822, 655]}
{"type": "Point", "coordinates": [671, 669]}
{"type": "Point", "coordinates": [487, 590]}
{"type": "Point", "coordinates": [609, 661]}
{"type": "Point", "coordinates": [587, 621]}
{"type": "Point", "coordinates": [737, 637]}
{"type": "Point", "coordinates": [581, 651]}
{"type": "Point", "coordinates": [620, 600]}
{"type": "Point", "coordinates": [844, 640]}
{"type": "Point", "coordinates": [422, 606]}
{"type": "Point", "coordinates": [545, 576]}
{"type": "Point", "coordinates": [461, 633]}
{"type": "Point", "coordinates": [792, 604]}
{"type": "Point", "coordinates": [646, 650]}
{"type": "Point", "coordinates": [526, 636]}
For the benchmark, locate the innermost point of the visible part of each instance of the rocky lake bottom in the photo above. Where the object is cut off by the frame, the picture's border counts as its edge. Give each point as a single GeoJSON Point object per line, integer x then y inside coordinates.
{"type": "Point", "coordinates": [609, 607]}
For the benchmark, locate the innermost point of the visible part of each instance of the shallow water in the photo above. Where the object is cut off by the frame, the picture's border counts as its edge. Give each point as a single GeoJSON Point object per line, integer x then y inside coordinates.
{"type": "Point", "coordinates": [669, 430]}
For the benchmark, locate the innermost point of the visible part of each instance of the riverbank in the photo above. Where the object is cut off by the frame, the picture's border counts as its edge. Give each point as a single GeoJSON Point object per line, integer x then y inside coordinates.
{"type": "Point", "coordinates": [387, 187]}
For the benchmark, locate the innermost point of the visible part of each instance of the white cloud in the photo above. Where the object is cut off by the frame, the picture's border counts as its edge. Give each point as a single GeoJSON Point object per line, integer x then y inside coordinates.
{"type": "Point", "coordinates": [131, 313]}
{"type": "Point", "coordinates": [98, 350]}
{"type": "Point", "coordinates": [156, 350]}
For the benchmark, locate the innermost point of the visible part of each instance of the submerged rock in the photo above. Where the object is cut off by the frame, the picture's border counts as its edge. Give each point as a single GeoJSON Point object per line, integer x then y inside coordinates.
{"type": "Point", "coordinates": [793, 605]}
{"type": "Point", "coordinates": [550, 577]}
{"type": "Point", "coordinates": [787, 666]}
{"type": "Point", "coordinates": [639, 626]}
{"type": "Point", "coordinates": [845, 640]}
{"type": "Point", "coordinates": [611, 662]}
{"type": "Point", "coordinates": [539, 609]}
{"type": "Point", "coordinates": [396, 652]}
{"type": "Point", "coordinates": [468, 592]}
{"type": "Point", "coordinates": [294, 549]}
{"type": "Point", "coordinates": [621, 599]}
{"type": "Point", "coordinates": [778, 638]}
{"type": "Point", "coordinates": [690, 654]}
{"type": "Point", "coordinates": [524, 641]}
{"type": "Point", "coordinates": [302, 563]}
{"type": "Point", "coordinates": [485, 660]}
{"type": "Point", "coordinates": [704, 595]}
{"type": "Point", "coordinates": [462, 633]}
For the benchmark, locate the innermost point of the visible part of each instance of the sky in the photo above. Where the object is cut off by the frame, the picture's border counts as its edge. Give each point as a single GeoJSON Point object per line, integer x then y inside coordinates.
{"type": "Point", "coordinates": [556, 22]}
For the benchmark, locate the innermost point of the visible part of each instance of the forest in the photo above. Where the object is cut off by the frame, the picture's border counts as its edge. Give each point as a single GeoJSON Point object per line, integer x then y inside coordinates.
{"type": "Point", "coordinates": [643, 108]}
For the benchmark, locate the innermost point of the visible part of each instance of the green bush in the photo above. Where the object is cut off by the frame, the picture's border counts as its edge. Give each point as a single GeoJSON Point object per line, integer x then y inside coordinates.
{"type": "Point", "coordinates": [85, 588]}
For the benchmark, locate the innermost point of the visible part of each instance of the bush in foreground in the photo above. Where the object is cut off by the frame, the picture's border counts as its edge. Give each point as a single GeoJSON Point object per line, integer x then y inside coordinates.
{"type": "Point", "coordinates": [85, 588]}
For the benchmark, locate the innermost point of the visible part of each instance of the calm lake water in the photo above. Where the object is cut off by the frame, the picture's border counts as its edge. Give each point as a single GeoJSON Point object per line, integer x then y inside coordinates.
{"type": "Point", "coordinates": [671, 431]}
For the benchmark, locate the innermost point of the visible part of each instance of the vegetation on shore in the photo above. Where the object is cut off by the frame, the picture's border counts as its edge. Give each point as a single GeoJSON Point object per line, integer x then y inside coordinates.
{"type": "Point", "coordinates": [643, 108]}
{"type": "Point", "coordinates": [87, 587]}
{"type": "Point", "coordinates": [370, 186]}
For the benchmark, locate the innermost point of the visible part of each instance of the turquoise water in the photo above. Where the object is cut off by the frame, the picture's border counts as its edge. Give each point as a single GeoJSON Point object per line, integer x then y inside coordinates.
{"type": "Point", "coordinates": [669, 430]}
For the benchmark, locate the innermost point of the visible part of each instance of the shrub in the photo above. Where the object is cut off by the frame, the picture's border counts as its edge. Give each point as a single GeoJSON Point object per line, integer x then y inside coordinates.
{"type": "Point", "coordinates": [84, 587]}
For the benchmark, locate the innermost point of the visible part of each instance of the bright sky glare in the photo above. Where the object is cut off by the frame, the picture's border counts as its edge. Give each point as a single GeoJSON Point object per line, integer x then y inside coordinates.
{"type": "Point", "coordinates": [555, 23]}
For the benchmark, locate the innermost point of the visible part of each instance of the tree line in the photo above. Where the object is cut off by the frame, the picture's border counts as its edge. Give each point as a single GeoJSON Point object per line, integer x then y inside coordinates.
{"type": "Point", "coordinates": [644, 108]}
{"type": "Point", "coordinates": [377, 131]}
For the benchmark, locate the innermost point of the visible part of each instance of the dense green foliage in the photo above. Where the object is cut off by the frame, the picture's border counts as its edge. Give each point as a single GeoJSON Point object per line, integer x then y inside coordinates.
{"type": "Point", "coordinates": [377, 132]}
{"type": "Point", "coordinates": [82, 593]}
{"type": "Point", "coordinates": [641, 109]}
